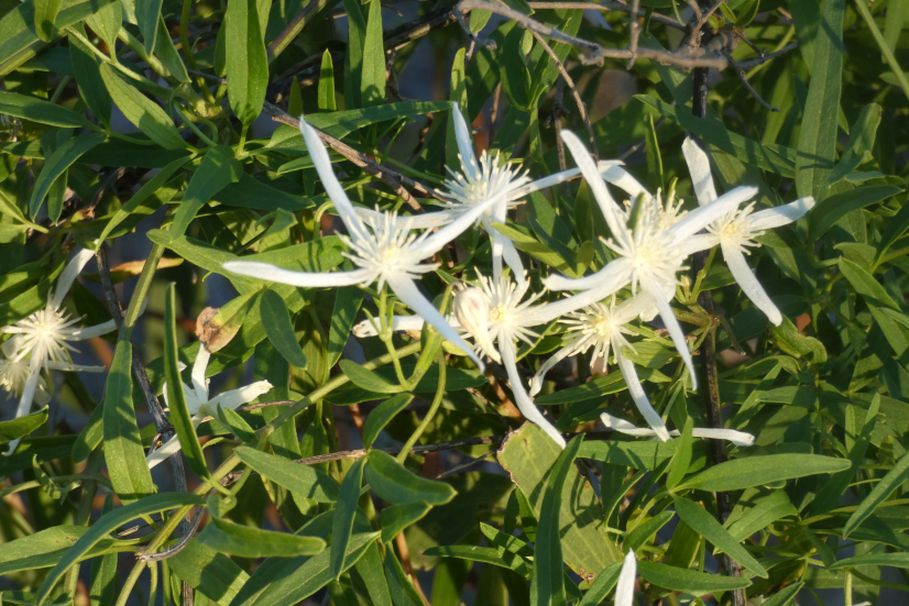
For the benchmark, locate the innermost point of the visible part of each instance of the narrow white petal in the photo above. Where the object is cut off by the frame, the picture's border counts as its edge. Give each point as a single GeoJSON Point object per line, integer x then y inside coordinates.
{"type": "Point", "coordinates": [548, 181]}
{"type": "Point", "coordinates": [616, 273]}
{"type": "Point", "coordinates": [465, 143]}
{"type": "Point", "coordinates": [369, 328]}
{"type": "Point", "coordinates": [696, 220]}
{"type": "Point", "coordinates": [672, 326]}
{"type": "Point", "coordinates": [697, 243]}
{"type": "Point", "coordinates": [90, 332]}
{"type": "Point", "coordinates": [611, 211]}
{"type": "Point", "coordinates": [699, 168]}
{"type": "Point", "coordinates": [624, 589]}
{"type": "Point", "coordinates": [522, 399]}
{"type": "Point", "coordinates": [197, 376]}
{"type": "Point", "coordinates": [739, 438]}
{"type": "Point", "coordinates": [461, 223]}
{"type": "Point", "coordinates": [410, 295]}
{"type": "Point", "coordinates": [303, 279]}
{"type": "Point", "coordinates": [430, 220]}
{"type": "Point", "coordinates": [236, 397]}
{"type": "Point", "coordinates": [621, 178]}
{"type": "Point", "coordinates": [166, 451]}
{"type": "Point", "coordinates": [330, 182]}
{"type": "Point", "coordinates": [511, 256]}
{"type": "Point", "coordinates": [68, 275]}
{"type": "Point", "coordinates": [547, 312]}
{"type": "Point", "coordinates": [623, 426]}
{"type": "Point", "coordinates": [536, 381]}
{"type": "Point", "coordinates": [639, 397]}
{"type": "Point", "coordinates": [25, 404]}
{"type": "Point", "coordinates": [749, 284]}
{"type": "Point", "coordinates": [778, 216]}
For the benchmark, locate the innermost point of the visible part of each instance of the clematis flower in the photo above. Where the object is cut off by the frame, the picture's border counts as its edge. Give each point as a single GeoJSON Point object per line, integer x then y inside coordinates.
{"type": "Point", "coordinates": [736, 230]}
{"type": "Point", "coordinates": [624, 589]}
{"type": "Point", "coordinates": [650, 240]}
{"type": "Point", "coordinates": [383, 246]}
{"type": "Point", "coordinates": [739, 438]}
{"type": "Point", "coordinates": [497, 315]}
{"type": "Point", "coordinates": [604, 328]}
{"type": "Point", "coordinates": [41, 342]}
{"type": "Point", "coordinates": [201, 405]}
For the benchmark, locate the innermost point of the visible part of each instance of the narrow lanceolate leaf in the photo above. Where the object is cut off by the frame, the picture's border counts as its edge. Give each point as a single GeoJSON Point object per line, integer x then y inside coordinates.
{"type": "Point", "coordinates": [703, 523]}
{"type": "Point", "coordinates": [38, 110]}
{"type": "Point", "coordinates": [342, 522]}
{"type": "Point", "coordinates": [45, 15]}
{"type": "Point", "coordinates": [176, 397]}
{"type": "Point", "coordinates": [225, 536]}
{"type": "Point", "coordinates": [123, 451]}
{"type": "Point", "coordinates": [209, 572]}
{"type": "Point", "coordinates": [217, 170]}
{"type": "Point", "coordinates": [141, 111]}
{"type": "Point", "coordinates": [763, 469]}
{"type": "Point", "coordinates": [688, 581]}
{"type": "Point", "coordinates": [881, 491]}
{"type": "Point", "coordinates": [56, 165]}
{"type": "Point", "coordinates": [894, 560]}
{"type": "Point", "coordinates": [108, 523]}
{"type": "Point", "coordinates": [382, 414]}
{"type": "Point", "coordinates": [20, 427]}
{"type": "Point", "coordinates": [817, 137]}
{"type": "Point", "coordinates": [367, 379]}
{"type": "Point", "coordinates": [246, 60]}
{"type": "Point", "coordinates": [326, 93]}
{"type": "Point", "coordinates": [548, 583]}
{"type": "Point", "coordinates": [308, 482]}
{"type": "Point", "coordinates": [372, 76]}
{"type": "Point", "coordinates": [148, 12]}
{"type": "Point", "coordinates": [280, 330]}
{"type": "Point", "coordinates": [395, 483]}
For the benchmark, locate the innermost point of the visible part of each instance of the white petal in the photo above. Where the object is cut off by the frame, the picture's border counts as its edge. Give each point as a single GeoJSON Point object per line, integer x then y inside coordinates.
{"type": "Point", "coordinates": [166, 451]}
{"type": "Point", "coordinates": [465, 143]}
{"type": "Point", "coordinates": [608, 207]}
{"type": "Point", "coordinates": [696, 220]}
{"type": "Point", "coordinates": [410, 295]}
{"type": "Point", "coordinates": [536, 382]}
{"type": "Point", "coordinates": [25, 404]}
{"type": "Point", "coordinates": [460, 224]}
{"type": "Point", "coordinates": [197, 376]}
{"type": "Point", "coordinates": [672, 326]}
{"type": "Point", "coordinates": [616, 272]}
{"type": "Point", "coordinates": [542, 314]}
{"type": "Point", "coordinates": [90, 332]}
{"type": "Point", "coordinates": [68, 276]}
{"type": "Point", "coordinates": [623, 426]}
{"type": "Point", "coordinates": [368, 328]}
{"type": "Point", "coordinates": [639, 397]}
{"type": "Point", "coordinates": [749, 284]}
{"type": "Point", "coordinates": [697, 243]}
{"type": "Point", "coordinates": [621, 178]}
{"type": "Point", "coordinates": [430, 220]}
{"type": "Point", "coordinates": [522, 399]}
{"type": "Point", "coordinates": [699, 168]}
{"type": "Point", "coordinates": [304, 279]}
{"type": "Point", "coordinates": [236, 397]}
{"type": "Point", "coordinates": [330, 182]}
{"type": "Point", "coordinates": [624, 589]}
{"type": "Point", "coordinates": [739, 438]}
{"type": "Point", "coordinates": [511, 256]}
{"type": "Point", "coordinates": [772, 218]}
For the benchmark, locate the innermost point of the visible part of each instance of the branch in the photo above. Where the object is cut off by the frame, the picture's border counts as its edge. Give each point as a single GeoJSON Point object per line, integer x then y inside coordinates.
{"type": "Point", "coordinates": [618, 5]}
{"type": "Point", "coordinates": [592, 53]}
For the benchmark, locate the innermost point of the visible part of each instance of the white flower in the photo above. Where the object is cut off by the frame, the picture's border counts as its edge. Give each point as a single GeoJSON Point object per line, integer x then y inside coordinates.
{"type": "Point", "coordinates": [201, 405]}
{"type": "Point", "coordinates": [736, 230]}
{"type": "Point", "coordinates": [603, 328]}
{"type": "Point", "coordinates": [497, 315]}
{"type": "Point", "coordinates": [382, 246]}
{"type": "Point", "coordinates": [624, 589]}
{"type": "Point", "coordinates": [739, 438]}
{"type": "Point", "coordinates": [650, 240]}
{"type": "Point", "coordinates": [40, 342]}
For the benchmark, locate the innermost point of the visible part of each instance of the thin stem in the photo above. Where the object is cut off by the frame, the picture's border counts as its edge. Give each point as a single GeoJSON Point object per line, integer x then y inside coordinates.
{"type": "Point", "coordinates": [129, 583]}
{"type": "Point", "coordinates": [433, 408]}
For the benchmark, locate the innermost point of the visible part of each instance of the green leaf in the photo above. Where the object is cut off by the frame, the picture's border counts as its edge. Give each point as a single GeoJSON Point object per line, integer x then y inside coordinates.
{"type": "Point", "coordinates": [343, 315]}
{"type": "Point", "coordinates": [45, 15]}
{"type": "Point", "coordinates": [367, 379]}
{"type": "Point", "coordinates": [819, 128]}
{"type": "Point", "coordinates": [395, 518]}
{"type": "Point", "coordinates": [688, 581]}
{"type": "Point", "coordinates": [381, 415]}
{"type": "Point", "coordinates": [18, 39]}
{"type": "Point", "coordinates": [148, 13]}
{"type": "Point", "coordinates": [56, 165]}
{"type": "Point", "coordinates": [308, 482]}
{"type": "Point", "coordinates": [276, 320]}
{"type": "Point", "coordinates": [168, 53]}
{"type": "Point", "coordinates": [880, 493]}
{"type": "Point", "coordinates": [861, 143]}
{"type": "Point", "coordinates": [342, 123]}
{"type": "Point", "coordinates": [246, 60]}
{"type": "Point", "coordinates": [38, 110]}
{"type": "Point", "coordinates": [353, 58]}
{"type": "Point", "coordinates": [548, 586]}
{"type": "Point", "coordinates": [865, 284]}
{"type": "Point", "coordinates": [123, 452]}
{"type": "Point", "coordinates": [833, 208]}
{"type": "Point", "coordinates": [761, 470]}
{"type": "Point", "coordinates": [785, 597]}
{"type": "Point", "coordinates": [108, 523]}
{"type": "Point", "coordinates": [88, 79]}
{"type": "Point", "coordinates": [180, 415]}
{"type": "Point", "coordinates": [894, 560]}
{"type": "Point", "coordinates": [106, 22]}
{"type": "Point", "coordinates": [209, 572]}
{"type": "Point", "coordinates": [141, 111]}
{"type": "Point", "coordinates": [703, 523]}
{"type": "Point", "coordinates": [682, 458]}
{"type": "Point", "coordinates": [394, 483]}
{"type": "Point", "coordinates": [217, 170]}
{"type": "Point", "coordinates": [370, 568]}
{"type": "Point", "coordinates": [342, 522]}
{"type": "Point", "coordinates": [22, 426]}
{"type": "Point", "coordinates": [225, 536]}
{"type": "Point", "coordinates": [41, 549]}
{"type": "Point", "coordinates": [326, 93]}
{"type": "Point", "coordinates": [886, 50]}
{"type": "Point", "coordinates": [372, 74]}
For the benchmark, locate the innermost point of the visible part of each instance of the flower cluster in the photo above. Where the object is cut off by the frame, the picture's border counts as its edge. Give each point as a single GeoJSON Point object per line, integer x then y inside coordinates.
{"type": "Point", "coordinates": [650, 237]}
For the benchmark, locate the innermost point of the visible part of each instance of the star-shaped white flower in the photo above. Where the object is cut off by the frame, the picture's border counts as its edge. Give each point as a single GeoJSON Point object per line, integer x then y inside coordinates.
{"type": "Point", "coordinates": [736, 230]}
{"type": "Point", "coordinates": [201, 406]}
{"type": "Point", "coordinates": [650, 240]}
{"type": "Point", "coordinates": [42, 341]}
{"type": "Point", "coordinates": [739, 438]}
{"type": "Point", "coordinates": [383, 246]}
{"type": "Point", "coordinates": [603, 328]}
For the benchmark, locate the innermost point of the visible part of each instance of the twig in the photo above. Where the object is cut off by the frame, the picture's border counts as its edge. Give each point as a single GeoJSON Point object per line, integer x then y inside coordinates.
{"type": "Point", "coordinates": [620, 5]}
{"type": "Point", "coordinates": [189, 533]}
{"type": "Point", "coordinates": [592, 53]}
{"type": "Point", "coordinates": [740, 72]}
{"type": "Point", "coordinates": [635, 35]}
{"type": "Point", "coordinates": [765, 57]}
{"type": "Point", "coordinates": [392, 178]}
{"type": "Point", "coordinates": [702, 19]}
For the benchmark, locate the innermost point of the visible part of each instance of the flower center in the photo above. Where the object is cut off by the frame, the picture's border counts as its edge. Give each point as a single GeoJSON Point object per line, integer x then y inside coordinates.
{"type": "Point", "coordinates": [733, 229]}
